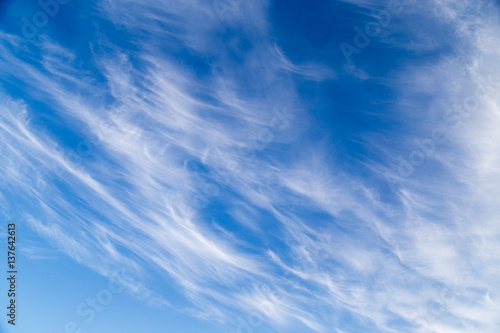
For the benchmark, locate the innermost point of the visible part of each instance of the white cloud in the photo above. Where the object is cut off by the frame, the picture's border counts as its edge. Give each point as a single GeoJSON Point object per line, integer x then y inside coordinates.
{"type": "Point", "coordinates": [322, 239]}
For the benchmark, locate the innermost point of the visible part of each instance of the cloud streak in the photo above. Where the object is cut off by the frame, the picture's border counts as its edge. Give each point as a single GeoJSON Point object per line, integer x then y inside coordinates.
{"type": "Point", "coordinates": [287, 237]}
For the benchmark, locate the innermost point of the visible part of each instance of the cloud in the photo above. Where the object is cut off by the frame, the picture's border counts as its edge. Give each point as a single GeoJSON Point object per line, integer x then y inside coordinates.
{"type": "Point", "coordinates": [175, 138]}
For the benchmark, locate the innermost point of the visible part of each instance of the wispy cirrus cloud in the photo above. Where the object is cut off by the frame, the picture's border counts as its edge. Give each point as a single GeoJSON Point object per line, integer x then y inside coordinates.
{"type": "Point", "coordinates": [302, 241]}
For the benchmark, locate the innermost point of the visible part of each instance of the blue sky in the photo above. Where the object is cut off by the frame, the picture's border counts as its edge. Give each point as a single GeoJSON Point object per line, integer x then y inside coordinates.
{"type": "Point", "coordinates": [252, 166]}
